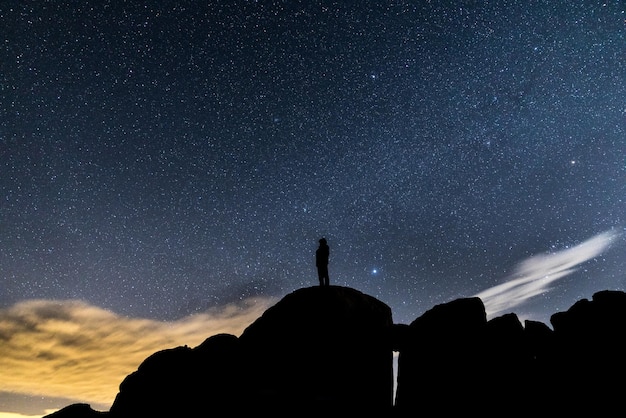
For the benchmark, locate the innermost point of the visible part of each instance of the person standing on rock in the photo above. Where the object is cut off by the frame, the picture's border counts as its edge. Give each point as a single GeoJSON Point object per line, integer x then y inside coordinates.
{"type": "Point", "coordinates": [321, 261]}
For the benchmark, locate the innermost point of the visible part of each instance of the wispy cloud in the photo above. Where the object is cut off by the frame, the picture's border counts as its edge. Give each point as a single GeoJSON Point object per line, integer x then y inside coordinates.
{"type": "Point", "coordinates": [77, 351]}
{"type": "Point", "coordinates": [534, 275]}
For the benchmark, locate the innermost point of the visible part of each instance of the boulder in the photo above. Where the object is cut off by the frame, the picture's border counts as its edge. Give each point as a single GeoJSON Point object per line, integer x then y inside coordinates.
{"type": "Point", "coordinates": [77, 410]}
{"type": "Point", "coordinates": [182, 381]}
{"type": "Point", "coordinates": [438, 366]}
{"type": "Point", "coordinates": [320, 349]}
{"type": "Point", "coordinates": [590, 341]}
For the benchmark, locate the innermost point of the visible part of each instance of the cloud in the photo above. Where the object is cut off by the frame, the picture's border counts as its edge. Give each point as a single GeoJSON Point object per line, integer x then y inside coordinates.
{"type": "Point", "coordinates": [14, 415]}
{"type": "Point", "coordinates": [73, 350]}
{"type": "Point", "coordinates": [534, 275]}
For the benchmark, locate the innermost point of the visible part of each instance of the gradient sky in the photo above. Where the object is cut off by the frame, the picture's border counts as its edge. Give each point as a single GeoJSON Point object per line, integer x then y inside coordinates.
{"type": "Point", "coordinates": [167, 169]}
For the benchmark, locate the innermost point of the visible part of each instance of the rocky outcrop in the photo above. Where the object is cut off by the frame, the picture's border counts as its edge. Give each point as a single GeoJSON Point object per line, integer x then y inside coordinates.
{"type": "Point", "coordinates": [457, 362]}
{"type": "Point", "coordinates": [78, 410]}
{"type": "Point", "coordinates": [183, 381]}
{"type": "Point", "coordinates": [587, 359]}
{"type": "Point", "coordinates": [328, 350]}
{"type": "Point", "coordinates": [319, 349]}
{"type": "Point", "coordinates": [440, 357]}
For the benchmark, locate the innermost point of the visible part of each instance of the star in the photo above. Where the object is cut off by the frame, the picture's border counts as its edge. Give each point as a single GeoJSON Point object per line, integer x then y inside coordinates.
{"type": "Point", "coordinates": [161, 162]}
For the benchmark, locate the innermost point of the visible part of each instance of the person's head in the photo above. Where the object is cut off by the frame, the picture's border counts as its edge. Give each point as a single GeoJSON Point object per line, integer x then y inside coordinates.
{"type": "Point", "coordinates": [323, 241]}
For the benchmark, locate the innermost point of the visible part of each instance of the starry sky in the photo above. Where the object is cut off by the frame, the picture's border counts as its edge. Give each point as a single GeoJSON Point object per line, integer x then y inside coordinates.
{"type": "Point", "coordinates": [169, 167]}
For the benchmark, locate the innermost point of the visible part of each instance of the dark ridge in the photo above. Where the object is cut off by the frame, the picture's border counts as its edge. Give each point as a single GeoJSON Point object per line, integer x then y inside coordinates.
{"type": "Point", "coordinates": [328, 350]}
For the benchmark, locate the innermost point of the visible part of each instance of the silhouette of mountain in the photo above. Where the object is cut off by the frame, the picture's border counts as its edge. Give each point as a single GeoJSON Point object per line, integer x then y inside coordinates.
{"type": "Point", "coordinates": [328, 350]}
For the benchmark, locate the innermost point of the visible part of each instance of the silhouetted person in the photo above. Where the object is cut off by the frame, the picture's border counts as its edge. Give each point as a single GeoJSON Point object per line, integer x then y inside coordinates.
{"type": "Point", "coordinates": [321, 261]}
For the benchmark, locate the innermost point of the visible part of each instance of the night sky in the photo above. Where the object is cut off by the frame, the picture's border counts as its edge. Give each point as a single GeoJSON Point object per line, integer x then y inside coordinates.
{"type": "Point", "coordinates": [162, 160]}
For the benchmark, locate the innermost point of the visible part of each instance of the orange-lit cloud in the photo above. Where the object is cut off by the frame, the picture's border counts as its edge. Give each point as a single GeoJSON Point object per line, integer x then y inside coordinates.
{"type": "Point", "coordinates": [534, 275]}
{"type": "Point", "coordinates": [70, 349]}
{"type": "Point", "coordinates": [16, 415]}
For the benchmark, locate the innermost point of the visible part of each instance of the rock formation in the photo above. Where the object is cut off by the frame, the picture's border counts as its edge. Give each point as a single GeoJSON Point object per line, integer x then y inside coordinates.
{"type": "Point", "coordinates": [328, 350]}
{"type": "Point", "coordinates": [322, 349]}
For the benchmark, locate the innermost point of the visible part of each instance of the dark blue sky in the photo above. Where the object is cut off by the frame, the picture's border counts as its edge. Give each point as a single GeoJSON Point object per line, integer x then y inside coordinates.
{"type": "Point", "coordinates": [161, 158]}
